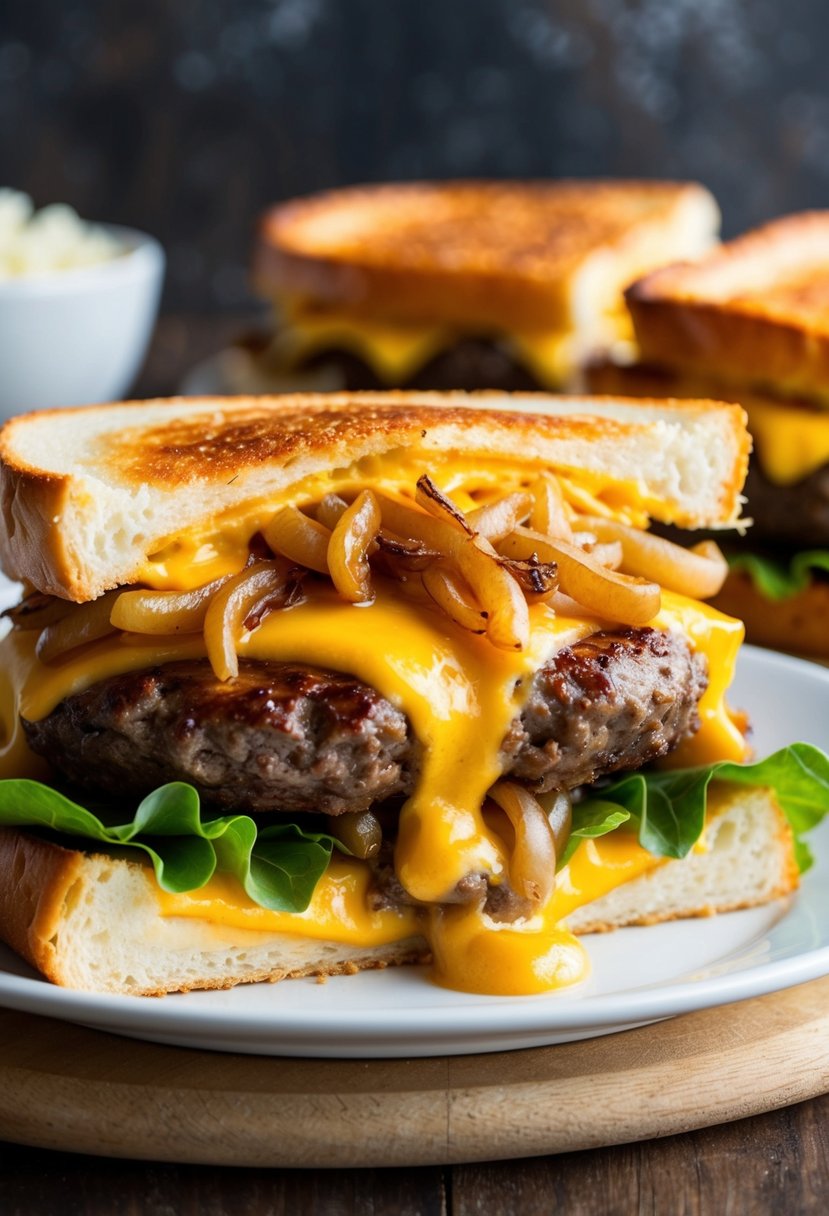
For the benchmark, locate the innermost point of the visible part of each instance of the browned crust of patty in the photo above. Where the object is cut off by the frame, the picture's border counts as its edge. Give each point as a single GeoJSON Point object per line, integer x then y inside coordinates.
{"type": "Point", "coordinates": [288, 738]}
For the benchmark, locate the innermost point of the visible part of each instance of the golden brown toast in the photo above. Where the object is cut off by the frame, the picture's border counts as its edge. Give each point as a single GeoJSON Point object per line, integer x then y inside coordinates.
{"type": "Point", "coordinates": [753, 313]}
{"type": "Point", "coordinates": [791, 437]}
{"type": "Point", "coordinates": [88, 495]}
{"type": "Point", "coordinates": [491, 255]}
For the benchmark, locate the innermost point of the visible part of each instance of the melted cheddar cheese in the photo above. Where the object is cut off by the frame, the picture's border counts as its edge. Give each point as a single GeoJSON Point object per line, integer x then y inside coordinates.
{"type": "Point", "coordinates": [470, 952]}
{"type": "Point", "coordinates": [397, 351]}
{"type": "Point", "coordinates": [460, 695]}
{"type": "Point", "coordinates": [221, 545]}
{"type": "Point", "coordinates": [791, 441]}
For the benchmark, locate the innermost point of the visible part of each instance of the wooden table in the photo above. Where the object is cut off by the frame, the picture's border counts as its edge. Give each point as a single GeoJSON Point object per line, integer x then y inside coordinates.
{"type": "Point", "coordinates": [773, 1163]}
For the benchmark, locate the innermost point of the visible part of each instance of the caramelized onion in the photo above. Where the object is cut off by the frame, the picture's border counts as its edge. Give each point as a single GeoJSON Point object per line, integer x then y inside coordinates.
{"type": "Point", "coordinates": [508, 622]}
{"type": "Point", "coordinates": [411, 554]}
{"type": "Point", "coordinates": [230, 607]}
{"type": "Point", "coordinates": [699, 572]}
{"type": "Point", "coordinates": [359, 832]}
{"type": "Point", "coordinates": [532, 866]}
{"type": "Point", "coordinates": [85, 623]}
{"type": "Point", "coordinates": [536, 578]}
{"type": "Point", "coordinates": [605, 592]}
{"type": "Point", "coordinates": [498, 518]}
{"type": "Point", "coordinates": [349, 548]}
{"type": "Point", "coordinates": [163, 611]}
{"type": "Point", "coordinates": [607, 553]}
{"type": "Point", "coordinates": [36, 611]}
{"type": "Point", "coordinates": [436, 503]}
{"type": "Point", "coordinates": [330, 509]}
{"type": "Point", "coordinates": [451, 593]}
{"type": "Point", "coordinates": [558, 807]}
{"type": "Point", "coordinates": [549, 513]}
{"type": "Point", "coordinates": [300, 538]}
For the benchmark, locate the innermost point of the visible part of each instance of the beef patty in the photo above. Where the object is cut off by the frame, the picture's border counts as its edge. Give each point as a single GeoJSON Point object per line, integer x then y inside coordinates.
{"type": "Point", "coordinates": [284, 737]}
{"type": "Point", "coordinates": [470, 364]}
{"type": "Point", "coordinates": [795, 515]}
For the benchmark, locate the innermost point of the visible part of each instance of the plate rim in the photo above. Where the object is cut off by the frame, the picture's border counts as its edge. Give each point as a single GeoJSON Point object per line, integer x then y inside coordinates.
{"type": "Point", "coordinates": [471, 1024]}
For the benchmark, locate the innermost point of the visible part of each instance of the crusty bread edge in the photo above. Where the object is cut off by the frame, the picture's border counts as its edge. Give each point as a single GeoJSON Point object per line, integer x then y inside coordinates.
{"type": "Point", "coordinates": [34, 546]}
{"type": "Point", "coordinates": [499, 294]}
{"type": "Point", "coordinates": [38, 878]}
{"type": "Point", "coordinates": [680, 326]}
{"type": "Point", "coordinates": [727, 802]}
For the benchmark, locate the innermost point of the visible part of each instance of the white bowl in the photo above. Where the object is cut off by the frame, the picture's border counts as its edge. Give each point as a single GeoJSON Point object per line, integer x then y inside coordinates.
{"type": "Point", "coordinates": [76, 337]}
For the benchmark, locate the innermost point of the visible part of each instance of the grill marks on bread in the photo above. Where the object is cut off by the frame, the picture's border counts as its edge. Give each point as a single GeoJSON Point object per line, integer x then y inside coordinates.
{"type": "Point", "coordinates": [210, 448]}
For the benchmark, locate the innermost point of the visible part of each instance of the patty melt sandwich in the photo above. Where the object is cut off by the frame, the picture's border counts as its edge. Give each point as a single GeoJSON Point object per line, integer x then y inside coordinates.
{"type": "Point", "coordinates": [304, 685]}
{"type": "Point", "coordinates": [461, 285]}
{"type": "Point", "coordinates": [750, 323]}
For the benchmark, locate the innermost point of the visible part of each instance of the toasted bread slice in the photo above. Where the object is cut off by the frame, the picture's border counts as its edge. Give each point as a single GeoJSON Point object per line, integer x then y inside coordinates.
{"type": "Point", "coordinates": [89, 495]}
{"type": "Point", "coordinates": [85, 920]}
{"type": "Point", "coordinates": [93, 922]}
{"type": "Point", "coordinates": [480, 255]}
{"type": "Point", "coordinates": [753, 313]}
{"type": "Point", "coordinates": [790, 438]}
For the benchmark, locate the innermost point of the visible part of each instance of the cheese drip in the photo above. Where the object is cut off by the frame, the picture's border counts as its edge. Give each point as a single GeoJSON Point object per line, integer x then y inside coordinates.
{"type": "Point", "coordinates": [470, 952]}
{"type": "Point", "coordinates": [791, 441]}
{"type": "Point", "coordinates": [460, 696]}
{"type": "Point", "coordinates": [397, 351]}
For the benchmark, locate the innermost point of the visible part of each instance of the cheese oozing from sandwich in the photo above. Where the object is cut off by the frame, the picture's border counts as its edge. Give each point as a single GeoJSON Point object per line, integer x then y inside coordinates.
{"type": "Point", "coordinates": [460, 695]}
{"type": "Point", "coordinates": [791, 440]}
{"type": "Point", "coordinates": [397, 351]}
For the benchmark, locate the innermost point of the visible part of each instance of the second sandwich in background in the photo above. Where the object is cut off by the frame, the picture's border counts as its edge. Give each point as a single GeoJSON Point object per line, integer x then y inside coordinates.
{"type": "Point", "coordinates": [750, 323]}
{"type": "Point", "coordinates": [461, 285]}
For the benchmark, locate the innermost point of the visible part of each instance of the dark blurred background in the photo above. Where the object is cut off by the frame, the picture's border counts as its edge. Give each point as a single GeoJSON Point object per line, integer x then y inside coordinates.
{"type": "Point", "coordinates": [187, 117]}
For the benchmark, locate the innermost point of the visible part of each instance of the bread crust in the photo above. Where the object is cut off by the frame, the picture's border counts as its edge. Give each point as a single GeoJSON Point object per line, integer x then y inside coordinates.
{"type": "Point", "coordinates": [491, 254]}
{"type": "Point", "coordinates": [799, 624]}
{"type": "Point", "coordinates": [36, 878]}
{"type": "Point", "coordinates": [40, 880]}
{"type": "Point", "coordinates": [753, 312]}
{"type": "Point", "coordinates": [146, 459]}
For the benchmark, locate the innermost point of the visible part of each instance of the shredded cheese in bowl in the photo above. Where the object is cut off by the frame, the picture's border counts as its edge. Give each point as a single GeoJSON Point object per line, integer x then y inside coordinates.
{"type": "Point", "coordinates": [52, 239]}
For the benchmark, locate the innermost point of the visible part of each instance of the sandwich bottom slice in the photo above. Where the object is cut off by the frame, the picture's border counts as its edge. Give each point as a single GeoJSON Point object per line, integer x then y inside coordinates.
{"type": "Point", "coordinates": [100, 923]}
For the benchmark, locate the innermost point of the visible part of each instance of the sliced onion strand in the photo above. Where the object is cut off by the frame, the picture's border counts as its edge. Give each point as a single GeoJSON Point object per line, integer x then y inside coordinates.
{"type": "Point", "coordinates": [532, 866]}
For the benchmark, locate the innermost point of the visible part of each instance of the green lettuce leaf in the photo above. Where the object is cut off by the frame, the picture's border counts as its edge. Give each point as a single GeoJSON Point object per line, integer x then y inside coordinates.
{"type": "Point", "coordinates": [778, 580]}
{"type": "Point", "coordinates": [668, 807]}
{"type": "Point", "coordinates": [592, 818]}
{"type": "Point", "coordinates": [278, 867]}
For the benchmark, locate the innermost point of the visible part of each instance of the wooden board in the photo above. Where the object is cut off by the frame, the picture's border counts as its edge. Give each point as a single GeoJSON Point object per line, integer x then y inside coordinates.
{"type": "Point", "coordinates": [66, 1087]}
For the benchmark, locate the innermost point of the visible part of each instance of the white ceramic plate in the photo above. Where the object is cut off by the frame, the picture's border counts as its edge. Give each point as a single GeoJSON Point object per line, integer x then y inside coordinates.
{"type": "Point", "coordinates": [639, 975]}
